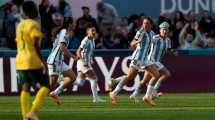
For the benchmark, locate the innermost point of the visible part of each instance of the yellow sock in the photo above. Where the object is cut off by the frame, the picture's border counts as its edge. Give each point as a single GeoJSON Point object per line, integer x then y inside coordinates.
{"type": "Point", "coordinates": [38, 101]}
{"type": "Point", "coordinates": [25, 103]}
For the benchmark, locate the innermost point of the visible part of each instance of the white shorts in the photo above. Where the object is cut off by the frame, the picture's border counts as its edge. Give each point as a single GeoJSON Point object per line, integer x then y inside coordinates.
{"type": "Point", "coordinates": [138, 65]}
{"type": "Point", "coordinates": [83, 68]}
{"type": "Point", "coordinates": [159, 65]}
{"type": "Point", "coordinates": [55, 69]}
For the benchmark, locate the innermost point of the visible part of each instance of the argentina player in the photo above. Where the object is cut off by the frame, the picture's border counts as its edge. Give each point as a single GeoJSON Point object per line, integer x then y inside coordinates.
{"type": "Point", "coordinates": [84, 64]}
{"type": "Point", "coordinates": [57, 66]}
{"type": "Point", "coordinates": [141, 43]}
{"type": "Point", "coordinates": [160, 44]}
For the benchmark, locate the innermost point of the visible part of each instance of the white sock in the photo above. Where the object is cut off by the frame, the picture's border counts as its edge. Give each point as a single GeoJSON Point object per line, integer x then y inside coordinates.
{"type": "Point", "coordinates": [75, 88]}
{"type": "Point", "coordinates": [93, 85]}
{"type": "Point", "coordinates": [117, 80]}
{"type": "Point", "coordinates": [78, 82]}
{"type": "Point", "coordinates": [59, 89]}
{"type": "Point", "coordinates": [98, 89]}
{"type": "Point", "coordinates": [149, 91]}
{"type": "Point", "coordinates": [136, 91]}
{"type": "Point", "coordinates": [157, 85]}
{"type": "Point", "coordinates": [118, 87]}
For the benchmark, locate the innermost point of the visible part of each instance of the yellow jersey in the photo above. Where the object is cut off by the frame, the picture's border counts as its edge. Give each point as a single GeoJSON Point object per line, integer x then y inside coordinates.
{"type": "Point", "coordinates": [27, 57]}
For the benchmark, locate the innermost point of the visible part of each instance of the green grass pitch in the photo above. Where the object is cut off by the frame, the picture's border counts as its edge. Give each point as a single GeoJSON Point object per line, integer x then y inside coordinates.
{"type": "Point", "coordinates": [198, 106]}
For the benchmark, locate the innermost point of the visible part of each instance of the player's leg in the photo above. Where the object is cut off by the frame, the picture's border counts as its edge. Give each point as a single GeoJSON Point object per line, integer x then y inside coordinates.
{"type": "Point", "coordinates": [25, 83]}
{"type": "Point", "coordinates": [80, 79]}
{"type": "Point", "coordinates": [165, 75]}
{"type": "Point", "coordinates": [53, 76]}
{"type": "Point", "coordinates": [91, 76]}
{"type": "Point", "coordinates": [139, 88]}
{"type": "Point", "coordinates": [154, 73]}
{"type": "Point", "coordinates": [68, 78]}
{"type": "Point", "coordinates": [25, 99]}
{"type": "Point", "coordinates": [114, 81]}
{"type": "Point", "coordinates": [132, 72]}
{"type": "Point", "coordinates": [53, 80]}
{"type": "Point", "coordinates": [39, 76]}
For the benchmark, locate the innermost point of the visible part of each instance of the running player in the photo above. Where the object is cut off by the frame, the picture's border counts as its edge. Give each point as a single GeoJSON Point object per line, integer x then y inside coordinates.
{"type": "Point", "coordinates": [161, 43]}
{"type": "Point", "coordinates": [31, 68]}
{"type": "Point", "coordinates": [84, 67]}
{"type": "Point", "coordinates": [141, 42]}
{"type": "Point", "coordinates": [57, 66]}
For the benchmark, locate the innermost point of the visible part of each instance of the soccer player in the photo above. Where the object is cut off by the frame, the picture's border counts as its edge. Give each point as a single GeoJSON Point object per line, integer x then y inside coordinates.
{"type": "Point", "coordinates": [141, 42]}
{"type": "Point", "coordinates": [57, 66]}
{"type": "Point", "coordinates": [160, 44]}
{"type": "Point", "coordinates": [31, 68]}
{"type": "Point", "coordinates": [84, 67]}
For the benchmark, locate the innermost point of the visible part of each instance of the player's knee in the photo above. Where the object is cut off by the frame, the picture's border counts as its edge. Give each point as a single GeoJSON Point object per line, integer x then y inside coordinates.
{"type": "Point", "coordinates": [168, 75]}
{"type": "Point", "coordinates": [142, 83]}
{"type": "Point", "coordinates": [26, 87]}
{"type": "Point", "coordinates": [156, 75]}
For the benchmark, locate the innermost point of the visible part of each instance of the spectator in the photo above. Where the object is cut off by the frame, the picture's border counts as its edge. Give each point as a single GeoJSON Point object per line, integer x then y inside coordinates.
{"type": "Point", "coordinates": [210, 42]}
{"type": "Point", "coordinates": [115, 42]}
{"type": "Point", "coordinates": [206, 23]}
{"type": "Point", "coordinates": [58, 20]}
{"type": "Point", "coordinates": [191, 19]}
{"type": "Point", "coordinates": [107, 17]}
{"type": "Point", "coordinates": [190, 38]}
{"type": "Point", "coordinates": [134, 23]}
{"type": "Point", "coordinates": [46, 10]}
{"type": "Point", "coordinates": [65, 9]}
{"type": "Point", "coordinates": [81, 23]}
{"type": "Point", "coordinates": [178, 26]}
{"type": "Point", "coordinates": [10, 22]}
{"type": "Point", "coordinates": [74, 42]}
{"type": "Point", "coordinates": [98, 42]}
{"type": "Point", "coordinates": [165, 17]}
{"type": "Point", "coordinates": [179, 16]}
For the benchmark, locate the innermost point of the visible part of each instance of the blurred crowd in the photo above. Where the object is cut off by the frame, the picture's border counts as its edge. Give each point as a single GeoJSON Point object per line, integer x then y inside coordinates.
{"type": "Point", "coordinates": [114, 32]}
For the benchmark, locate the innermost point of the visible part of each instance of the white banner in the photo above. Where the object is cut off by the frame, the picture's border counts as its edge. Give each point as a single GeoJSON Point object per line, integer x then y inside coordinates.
{"type": "Point", "coordinates": [14, 87]}
{"type": "Point", "coordinates": [1, 76]}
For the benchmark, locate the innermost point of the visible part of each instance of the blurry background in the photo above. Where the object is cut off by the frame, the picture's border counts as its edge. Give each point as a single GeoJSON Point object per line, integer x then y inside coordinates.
{"type": "Point", "coordinates": [192, 33]}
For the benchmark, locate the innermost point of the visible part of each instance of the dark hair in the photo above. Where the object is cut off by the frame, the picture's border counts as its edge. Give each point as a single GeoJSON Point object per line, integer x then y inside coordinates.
{"type": "Point", "coordinates": [67, 22]}
{"type": "Point", "coordinates": [192, 32]}
{"type": "Point", "coordinates": [147, 18]}
{"type": "Point", "coordinates": [181, 16]}
{"type": "Point", "coordinates": [89, 25]}
{"type": "Point", "coordinates": [30, 9]}
{"type": "Point", "coordinates": [62, 5]}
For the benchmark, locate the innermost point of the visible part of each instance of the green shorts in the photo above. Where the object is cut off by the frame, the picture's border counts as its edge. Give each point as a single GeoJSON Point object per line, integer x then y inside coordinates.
{"type": "Point", "coordinates": [32, 77]}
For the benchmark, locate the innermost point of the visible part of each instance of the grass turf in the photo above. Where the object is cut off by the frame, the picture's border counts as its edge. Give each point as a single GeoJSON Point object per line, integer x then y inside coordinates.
{"type": "Point", "coordinates": [169, 107]}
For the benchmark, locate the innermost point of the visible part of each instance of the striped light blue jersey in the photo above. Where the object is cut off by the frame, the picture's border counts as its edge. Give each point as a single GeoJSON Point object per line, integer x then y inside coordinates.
{"type": "Point", "coordinates": [56, 53]}
{"type": "Point", "coordinates": [142, 49]}
{"type": "Point", "coordinates": [87, 47]}
{"type": "Point", "coordinates": [159, 47]}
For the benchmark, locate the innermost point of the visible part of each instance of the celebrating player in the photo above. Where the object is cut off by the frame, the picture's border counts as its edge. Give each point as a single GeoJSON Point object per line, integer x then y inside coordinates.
{"type": "Point", "coordinates": [160, 44]}
{"type": "Point", "coordinates": [57, 66]}
{"type": "Point", "coordinates": [84, 67]}
{"type": "Point", "coordinates": [141, 42]}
